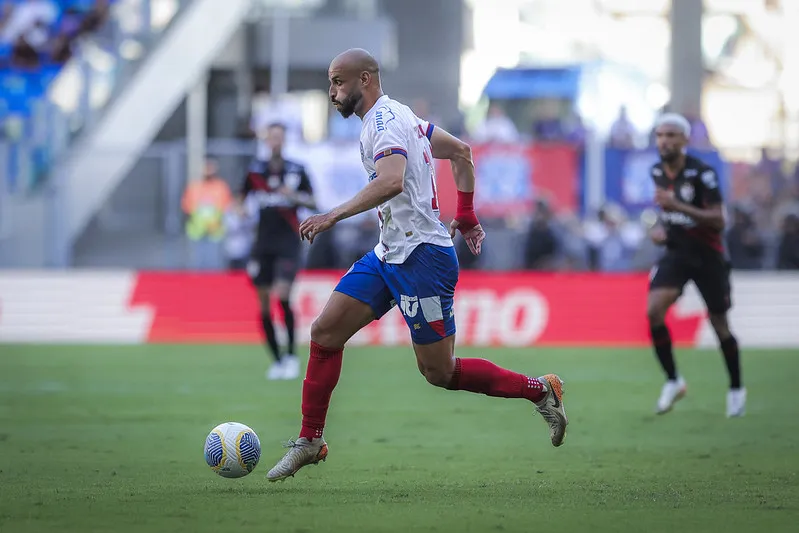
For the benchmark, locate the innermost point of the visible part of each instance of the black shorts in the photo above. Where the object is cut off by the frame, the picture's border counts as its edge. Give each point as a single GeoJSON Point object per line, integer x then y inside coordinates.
{"type": "Point", "coordinates": [711, 275]}
{"type": "Point", "coordinates": [265, 269]}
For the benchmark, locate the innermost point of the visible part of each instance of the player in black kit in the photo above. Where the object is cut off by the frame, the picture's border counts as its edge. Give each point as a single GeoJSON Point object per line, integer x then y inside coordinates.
{"type": "Point", "coordinates": [691, 226]}
{"type": "Point", "coordinates": [277, 188]}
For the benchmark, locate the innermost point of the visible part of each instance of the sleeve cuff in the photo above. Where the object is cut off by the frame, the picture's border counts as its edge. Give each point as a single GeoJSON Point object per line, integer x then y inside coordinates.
{"type": "Point", "coordinates": [391, 151]}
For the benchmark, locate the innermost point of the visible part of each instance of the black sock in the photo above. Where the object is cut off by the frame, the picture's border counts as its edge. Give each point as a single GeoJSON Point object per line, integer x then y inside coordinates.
{"type": "Point", "coordinates": [732, 358]}
{"type": "Point", "coordinates": [288, 318]}
{"type": "Point", "coordinates": [269, 333]}
{"type": "Point", "coordinates": [661, 341]}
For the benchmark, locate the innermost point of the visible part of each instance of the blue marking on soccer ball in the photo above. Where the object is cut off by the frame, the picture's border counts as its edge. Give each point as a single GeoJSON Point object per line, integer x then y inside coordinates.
{"type": "Point", "coordinates": [249, 450]}
{"type": "Point", "coordinates": [213, 450]}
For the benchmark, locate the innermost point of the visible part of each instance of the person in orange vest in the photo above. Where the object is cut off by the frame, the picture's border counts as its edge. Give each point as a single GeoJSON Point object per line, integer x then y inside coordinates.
{"type": "Point", "coordinates": [205, 202]}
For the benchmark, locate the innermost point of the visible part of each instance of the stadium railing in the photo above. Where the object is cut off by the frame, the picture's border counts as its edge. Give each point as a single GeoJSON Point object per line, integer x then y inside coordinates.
{"type": "Point", "coordinates": [45, 109]}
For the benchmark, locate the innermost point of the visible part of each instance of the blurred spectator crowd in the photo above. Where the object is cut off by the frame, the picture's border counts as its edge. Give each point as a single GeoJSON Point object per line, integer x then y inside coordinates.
{"type": "Point", "coordinates": [763, 223]}
{"type": "Point", "coordinates": [36, 33]}
{"type": "Point", "coordinates": [37, 38]}
{"type": "Point", "coordinates": [608, 241]}
{"type": "Point", "coordinates": [763, 226]}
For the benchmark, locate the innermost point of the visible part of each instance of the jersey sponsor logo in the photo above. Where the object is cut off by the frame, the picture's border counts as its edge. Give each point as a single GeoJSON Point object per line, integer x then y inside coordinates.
{"type": "Point", "coordinates": [690, 173]}
{"type": "Point", "coordinates": [709, 179]}
{"type": "Point", "coordinates": [677, 219]}
{"type": "Point", "coordinates": [268, 199]}
{"type": "Point", "coordinates": [383, 116]}
{"type": "Point", "coordinates": [409, 305]}
{"type": "Point", "coordinates": [687, 192]}
{"type": "Point", "coordinates": [292, 180]}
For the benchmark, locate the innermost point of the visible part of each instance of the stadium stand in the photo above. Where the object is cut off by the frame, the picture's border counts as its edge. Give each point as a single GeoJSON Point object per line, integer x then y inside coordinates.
{"type": "Point", "coordinates": [36, 40]}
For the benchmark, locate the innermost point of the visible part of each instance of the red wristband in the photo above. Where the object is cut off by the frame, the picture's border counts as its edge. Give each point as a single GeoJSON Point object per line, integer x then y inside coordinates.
{"type": "Point", "coordinates": [464, 213]}
{"type": "Point", "coordinates": [465, 202]}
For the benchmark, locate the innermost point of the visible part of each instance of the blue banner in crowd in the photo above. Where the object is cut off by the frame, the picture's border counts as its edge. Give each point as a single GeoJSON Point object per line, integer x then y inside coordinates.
{"type": "Point", "coordinates": [628, 181]}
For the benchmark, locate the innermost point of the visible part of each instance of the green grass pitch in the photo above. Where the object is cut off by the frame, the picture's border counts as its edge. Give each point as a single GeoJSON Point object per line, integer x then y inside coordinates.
{"type": "Point", "coordinates": [109, 438]}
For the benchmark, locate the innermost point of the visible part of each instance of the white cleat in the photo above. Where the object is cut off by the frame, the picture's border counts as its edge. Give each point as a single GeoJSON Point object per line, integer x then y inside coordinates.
{"type": "Point", "coordinates": [291, 367]}
{"type": "Point", "coordinates": [671, 393]}
{"type": "Point", "coordinates": [736, 402]}
{"type": "Point", "coordinates": [301, 452]}
{"type": "Point", "coordinates": [551, 408]}
{"type": "Point", "coordinates": [276, 371]}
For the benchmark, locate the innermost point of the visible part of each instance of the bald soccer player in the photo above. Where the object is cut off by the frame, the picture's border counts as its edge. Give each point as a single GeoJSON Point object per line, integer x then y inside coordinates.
{"type": "Point", "coordinates": [691, 227]}
{"type": "Point", "coordinates": [414, 264]}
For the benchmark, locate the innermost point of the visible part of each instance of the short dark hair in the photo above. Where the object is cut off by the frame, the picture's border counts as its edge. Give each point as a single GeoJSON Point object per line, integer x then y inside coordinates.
{"type": "Point", "coordinates": [277, 125]}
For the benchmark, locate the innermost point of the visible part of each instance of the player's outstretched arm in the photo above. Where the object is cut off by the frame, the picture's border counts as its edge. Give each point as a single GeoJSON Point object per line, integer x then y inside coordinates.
{"type": "Point", "coordinates": [459, 154]}
{"type": "Point", "coordinates": [389, 183]}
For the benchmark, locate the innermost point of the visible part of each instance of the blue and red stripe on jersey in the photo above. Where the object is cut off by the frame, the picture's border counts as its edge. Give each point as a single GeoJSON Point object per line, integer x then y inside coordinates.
{"type": "Point", "coordinates": [391, 151]}
{"type": "Point", "coordinates": [429, 132]}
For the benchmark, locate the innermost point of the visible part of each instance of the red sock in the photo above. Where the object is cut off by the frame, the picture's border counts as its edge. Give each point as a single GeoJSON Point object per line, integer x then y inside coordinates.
{"type": "Point", "coordinates": [479, 375]}
{"type": "Point", "coordinates": [324, 369]}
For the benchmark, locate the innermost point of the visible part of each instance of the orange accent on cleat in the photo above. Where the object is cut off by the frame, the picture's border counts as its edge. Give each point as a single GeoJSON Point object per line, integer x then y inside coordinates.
{"type": "Point", "coordinates": [556, 385]}
{"type": "Point", "coordinates": [322, 455]}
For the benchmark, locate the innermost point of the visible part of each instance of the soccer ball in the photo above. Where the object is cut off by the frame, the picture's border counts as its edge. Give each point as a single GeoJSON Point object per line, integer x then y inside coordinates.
{"type": "Point", "coordinates": [232, 450]}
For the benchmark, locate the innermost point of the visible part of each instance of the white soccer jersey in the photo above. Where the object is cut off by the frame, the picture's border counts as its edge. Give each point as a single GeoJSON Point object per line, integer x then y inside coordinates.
{"type": "Point", "coordinates": [410, 218]}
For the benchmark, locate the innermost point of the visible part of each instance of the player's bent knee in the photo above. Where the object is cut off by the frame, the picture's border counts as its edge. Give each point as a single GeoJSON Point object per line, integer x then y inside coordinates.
{"type": "Point", "coordinates": [322, 333]}
{"type": "Point", "coordinates": [656, 314]}
{"type": "Point", "coordinates": [438, 377]}
{"type": "Point", "coordinates": [436, 361]}
{"type": "Point", "coordinates": [280, 292]}
{"type": "Point", "coordinates": [437, 371]}
{"type": "Point", "coordinates": [720, 325]}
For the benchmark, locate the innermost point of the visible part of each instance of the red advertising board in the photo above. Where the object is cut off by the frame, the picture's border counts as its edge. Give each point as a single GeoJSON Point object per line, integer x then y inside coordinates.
{"type": "Point", "coordinates": [510, 177]}
{"type": "Point", "coordinates": [513, 309]}
{"type": "Point", "coordinates": [501, 309]}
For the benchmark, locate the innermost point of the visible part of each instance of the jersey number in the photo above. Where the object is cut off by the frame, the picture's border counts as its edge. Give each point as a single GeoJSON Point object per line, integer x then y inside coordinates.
{"type": "Point", "coordinates": [429, 160]}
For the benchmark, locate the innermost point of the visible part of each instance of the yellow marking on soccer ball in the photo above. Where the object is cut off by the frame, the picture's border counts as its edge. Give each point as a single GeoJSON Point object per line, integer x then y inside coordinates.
{"type": "Point", "coordinates": [222, 462]}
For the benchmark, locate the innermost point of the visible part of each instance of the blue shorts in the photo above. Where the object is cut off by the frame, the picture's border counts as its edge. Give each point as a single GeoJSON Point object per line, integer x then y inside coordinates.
{"type": "Point", "coordinates": [423, 286]}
